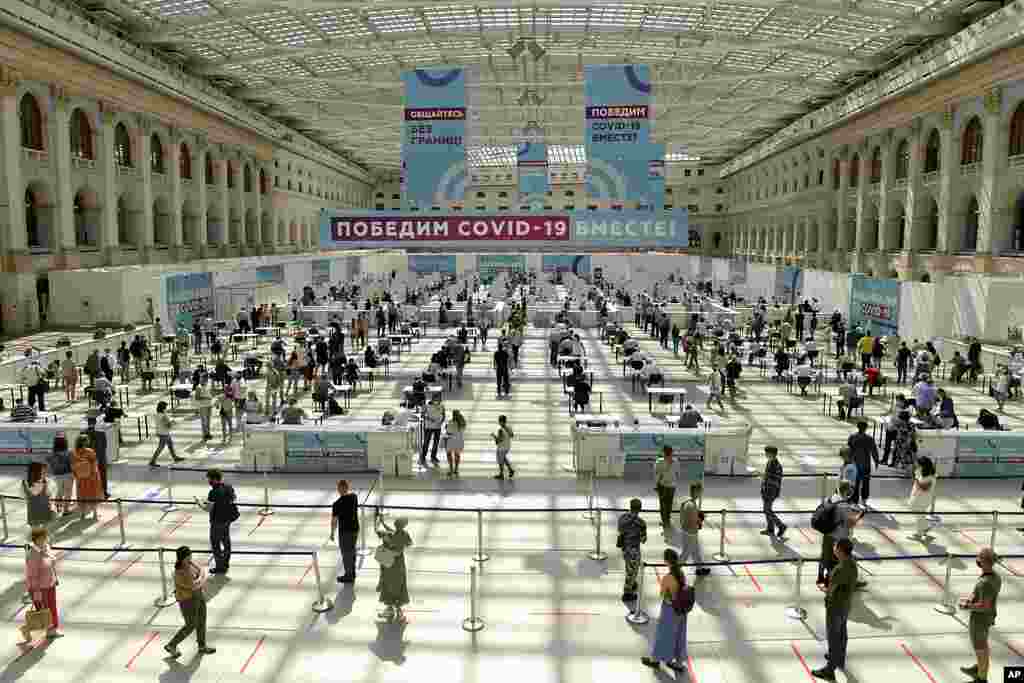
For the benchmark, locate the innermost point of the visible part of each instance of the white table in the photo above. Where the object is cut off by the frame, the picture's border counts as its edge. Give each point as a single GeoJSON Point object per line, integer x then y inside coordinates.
{"type": "Point", "coordinates": [664, 391]}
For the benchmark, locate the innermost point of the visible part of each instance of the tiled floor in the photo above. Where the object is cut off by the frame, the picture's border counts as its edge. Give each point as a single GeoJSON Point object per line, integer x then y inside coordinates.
{"type": "Point", "coordinates": [552, 614]}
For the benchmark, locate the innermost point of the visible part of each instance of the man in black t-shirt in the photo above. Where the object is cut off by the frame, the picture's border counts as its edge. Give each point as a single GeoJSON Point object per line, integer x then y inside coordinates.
{"type": "Point", "coordinates": [501, 359]}
{"type": "Point", "coordinates": [345, 519]}
{"type": "Point", "coordinates": [220, 503]}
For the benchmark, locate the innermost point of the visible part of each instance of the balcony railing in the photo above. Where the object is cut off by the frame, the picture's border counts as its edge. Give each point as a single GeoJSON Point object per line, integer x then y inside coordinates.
{"type": "Point", "coordinates": [1017, 161]}
{"type": "Point", "coordinates": [901, 182]}
{"type": "Point", "coordinates": [36, 156]}
{"type": "Point", "coordinates": [128, 171]}
{"type": "Point", "coordinates": [970, 169]}
{"type": "Point", "coordinates": [930, 178]}
{"type": "Point", "coordinates": [83, 163]}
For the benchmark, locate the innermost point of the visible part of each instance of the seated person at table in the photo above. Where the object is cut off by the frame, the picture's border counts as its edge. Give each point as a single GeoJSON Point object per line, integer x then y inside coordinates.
{"type": "Point", "coordinates": [221, 372]}
{"type": "Point", "coordinates": [253, 410]}
{"type": "Point", "coordinates": [277, 347]}
{"type": "Point", "coordinates": [690, 418]}
{"type": "Point", "coordinates": [351, 372]}
{"type": "Point", "coordinates": [811, 348]}
{"type": "Point", "coordinates": [252, 366]}
{"type": "Point", "coordinates": [651, 373]}
{"type": "Point", "coordinates": [322, 390]}
{"type": "Point", "coordinates": [112, 412]}
{"type": "Point", "coordinates": [958, 365]}
{"type": "Point", "coordinates": [102, 391]}
{"type": "Point", "coordinates": [781, 362]}
{"type": "Point", "coordinates": [581, 394]}
{"type": "Point", "coordinates": [577, 373]}
{"type": "Point", "coordinates": [146, 371]}
{"type": "Point", "coordinates": [22, 411]}
{"type": "Point", "coordinates": [621, 336]}
{"type": "Point", "coordinates": [292, 414]}
{"type": "Point", "coordinates": [432, 372]}
{"type": "Point", "coordinates": [337, 366]}
{"type": "Point", "coordinates": [988, 420]}
{"type": "Point", "coordinates": [755, 351]}
{"type": "Point", "coordinates": [847, 366]}
{"type": "Point", "coordinates": [804, 377]}
{"type": "Point", "coordinates": [334, 408]}
{"type": "Point", "coordinates": [638, 360]}
{"type": "Point", "coordinates": [383, 346]}
{"type": "Point", "coordinates": [630, 346]}
{"type": "Point", "coordinates": [418, 396]}
{"type": "Point", "coordinates": [924, 395]}
{"type": "Point", "coordinates": [370, 357]}
{"type": "Point", "coordinates": [566, 346]}
{"type": "Point", "coordinates": [849, 400]}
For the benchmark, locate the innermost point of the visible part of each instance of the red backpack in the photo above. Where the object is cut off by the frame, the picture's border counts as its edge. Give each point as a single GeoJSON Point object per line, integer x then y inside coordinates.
{"type": "Point", "coordinates": [684, 599]}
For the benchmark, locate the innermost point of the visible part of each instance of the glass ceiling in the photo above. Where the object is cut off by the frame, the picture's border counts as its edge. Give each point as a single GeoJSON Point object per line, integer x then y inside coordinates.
{"type": "Point", "coordinates": [558, 155]}
{"type": "Point", "coordinates": [726, 74]}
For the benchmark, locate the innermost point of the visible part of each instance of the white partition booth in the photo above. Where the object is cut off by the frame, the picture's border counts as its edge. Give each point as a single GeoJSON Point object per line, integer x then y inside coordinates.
{"type": "Point", "coordinates": [335, 447]}
{"type": "Point", "coordinates": [24, 442]}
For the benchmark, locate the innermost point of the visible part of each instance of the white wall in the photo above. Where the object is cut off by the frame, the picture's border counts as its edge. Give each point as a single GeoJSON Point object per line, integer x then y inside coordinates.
{"type": "Point", "coordinates": [616, 267]}
{"type": "Point", "coordinates": [919, 311]}
{"type": "Point", "coordinates": [966, 296]}
{"type": "Point", "coordinates": [102, 288]}
{"type": "Point", "coordinates": [296, 276]}
{"type": "Point", "coordinates": [1005, 307]}
{"type": "Point", "coordinates": [720, 271]}
{"type": "Point", "coordinates": [831, 289]}
{"type": "Point", "coordinates": [760, 281]}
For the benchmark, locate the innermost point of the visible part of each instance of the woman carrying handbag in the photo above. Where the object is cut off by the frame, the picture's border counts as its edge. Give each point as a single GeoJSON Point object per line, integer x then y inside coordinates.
{"type": "Point", "coordinates": [41, 584]}
{"type": "Point", "coordinates": [392, 585]}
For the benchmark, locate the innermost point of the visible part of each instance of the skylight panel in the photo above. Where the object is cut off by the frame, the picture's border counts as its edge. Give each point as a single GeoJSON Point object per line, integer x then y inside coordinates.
{"type": "Point", "coordinates": [499, 17]}
{"type": "Point", "coordinates": [567, 16]}
{"type": "Point", "coordinates": [338, 23]}
{"type": "Point", "coordinates": [169, 9]}
{"type": "Point", "coordinates": [451, 18]}
{"type": "Point", "coordinates": [396, 21]}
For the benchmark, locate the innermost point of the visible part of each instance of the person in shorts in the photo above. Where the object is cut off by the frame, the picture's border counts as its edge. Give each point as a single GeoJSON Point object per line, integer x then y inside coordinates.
{"type": "Point", "coordinates": [982, 606]}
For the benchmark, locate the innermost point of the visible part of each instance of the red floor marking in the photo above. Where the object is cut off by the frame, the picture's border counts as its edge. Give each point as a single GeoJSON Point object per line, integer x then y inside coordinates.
{"type": "Point", "coordinates": [968, 536]}
{"type": "Point", "coordinates": [20, 610]}
{"type": "Point", "coordinates": [804, 534]}
{"type": "Point", "coordinates": [1006, 565]}
{"type": "Point", "coordinates": [1011, 648]}
{"type": "Point", "coordinates": [918, 662]}
{"type": "Point", "coordinates": [917, 565]}
{"type": "Point", "coordinates": [259, 644]}
{"type": "Point", "coordinates": [305, 574]}
{"type": "Point", "coordinates": [692, 670]}
{"type": "Point", "coordinates": [178, 525]}
{"type": "Point", "coordinates": [558, 612]}
{"type": "Point", "coordinates": [259, 524]}
{"type": "Point", "coordinates": [803, 661]}
{"type": "Point", "coordinates": [120, 572]}
{"type": "Point", "coordinates": [753, 579]}
{"type": "Point", "coordinates": [152, 636]}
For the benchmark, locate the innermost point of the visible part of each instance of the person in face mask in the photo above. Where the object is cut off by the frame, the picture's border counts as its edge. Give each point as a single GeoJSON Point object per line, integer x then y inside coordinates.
{"type": "Point", "coordinates": [982, 606]}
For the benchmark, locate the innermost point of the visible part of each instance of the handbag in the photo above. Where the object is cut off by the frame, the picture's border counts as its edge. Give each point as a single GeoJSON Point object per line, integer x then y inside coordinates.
{"type": "Point", "coordinates": [38, 620]}
{"type": "Point", "coordinates": [620, 542]}
{"type": "Point", "coordinates": [385, 556]}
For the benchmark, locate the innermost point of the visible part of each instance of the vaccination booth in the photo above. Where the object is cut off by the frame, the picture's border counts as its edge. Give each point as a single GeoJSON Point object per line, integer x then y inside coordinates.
{"type": "Point", "coordinates": [22, 443]}
{"type": "Point", "coordinates": [336, 446]}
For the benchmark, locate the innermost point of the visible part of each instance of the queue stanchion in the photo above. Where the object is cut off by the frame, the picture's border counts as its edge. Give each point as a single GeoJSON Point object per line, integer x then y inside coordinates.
{"type": "Point", "coordinates": [120, 522]}
{"type": "Point", "coordinates": [596, 554]}
{"type": "Point", "coordinates": [164, 599]}
{"type": "Point", "coordinates": [637, 615]}
{"type": "Point", "coordinates": [265, 511]}
{"type": "Point", "coordinates": [3, 515]}
{"type": "Point", "coordinates": [26, 598]}
{"type": "Point", "coordinates": [362, 551]}
{"type": "Point", "coordinates": [480, 556]}
{"type": "Point", "coordinates": [947, 606]}
{"type": "Point", "coordinates": [932, 517]}
{"type": "Point", "coordinates": [823, 487]}
{"type": "Point", "coordinates": [721, 555]}
{"type": "Point", "coordinates": [589, 514]}
{"type": "Point", "coordinates": [473, 623]}
{"type": "Point", "coordinates": [170, 507]}
{"type": "Point", "coordinates": [995, 528]}
{"type": "Point", "coordinates": [323, 603]}
{"type": "Point", "coordinates": [796, 610]}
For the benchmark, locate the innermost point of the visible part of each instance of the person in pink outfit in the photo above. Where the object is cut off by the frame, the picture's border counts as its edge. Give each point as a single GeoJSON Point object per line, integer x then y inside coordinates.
{"type": "Point", "coordinates": [41, 579]}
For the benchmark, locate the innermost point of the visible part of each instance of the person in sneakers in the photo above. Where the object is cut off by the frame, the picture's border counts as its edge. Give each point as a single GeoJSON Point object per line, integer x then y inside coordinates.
{"type": "Point", "coordinates": [771, 487]}
{"type": "Point", "coordinates": [163, 433]}
{"type": "Point", "coordinates": [503, 444]}
{"type": "Point", "coordinates": [345, 520]}
{"type": "Point", "coordinates": [842, 581]}
{"type": "Point", "coordinates": [433, 416]}
{"type": "Point", "coordinates": [189, 583]}
{"type": "Point", "coordinates": [41, 579]}
{"type": "Point", "coordinates": [691, 521]}
{"type": "Point", "coordinates": [982, 606]}
{"type": "Point", "coordinates": [632, 533]}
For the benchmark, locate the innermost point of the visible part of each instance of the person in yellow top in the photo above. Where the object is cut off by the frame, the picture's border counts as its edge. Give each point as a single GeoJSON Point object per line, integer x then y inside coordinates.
{"type": "Point", "coordinates": [864, 347]}
{"type": "Point", "coordinates": [189, 582]}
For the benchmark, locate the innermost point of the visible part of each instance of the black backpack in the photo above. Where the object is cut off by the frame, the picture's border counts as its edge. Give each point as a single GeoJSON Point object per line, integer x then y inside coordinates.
{"type": "Point", "coordinates": [825, 518]}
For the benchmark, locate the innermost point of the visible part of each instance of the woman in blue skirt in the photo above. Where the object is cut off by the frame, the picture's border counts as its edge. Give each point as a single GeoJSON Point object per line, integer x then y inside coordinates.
{"type": "Point", "coordinates": [670, 634]}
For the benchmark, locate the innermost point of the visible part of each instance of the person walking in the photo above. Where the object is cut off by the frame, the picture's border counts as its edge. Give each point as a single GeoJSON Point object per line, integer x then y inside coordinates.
{"type": "Point", "coordinates": [863, 451]}
{"type": "Point", "coordinates": [345, 519]}
{"type": "Point", "coordinates": [842, 581]}
{"type": "Point", "coordinates": [455, 441]}
{"type": "Point", "coordinates": [164, 424]}
{"type": "Point", "coordinates": [666, 480]}
{"type": "Point", "coordinates": [37, 489]}
{"type": "Point", "coordinates": [41, 580]}
{"type": "Point", "coordinates": [226, 411]}
{"type": "Point", "coordinates": [392, 586]}
{"type": "Point", "coordinates": [501, 360]}
{"type": "Point", "coordinates": [714, 390]}
{"type": "Point", "coordinates": [503, 444]}
{"type": "Point", "coordinates": [433, 420]}
{"type": "Point", "coordinates": [632, 534]}
{"type": "Point", "coordinates": [842, 522]}
{"type": "Point", "coordinates": [670, 635]}
{"type": "Point", "coordinates": [58, 463]}
{"type": "Point", "coordinates": [220, 503]}
{"type": "Point", "coordinates": [69, 371]}
{"type": "Point", "coordinates": [87, 477]}
{"type": "Point", "coordinates": [189, 584]}
{"type": "Point", "coordinates": [982, 606]}
{"type": "Point", "coordinates": [691, 521]}
{"type": "Point", "coordinates": [771, 487]}
{"type": "Point", "coordinates": [203, 400]}
{"type": "Point", "coordinates": [922, 495]}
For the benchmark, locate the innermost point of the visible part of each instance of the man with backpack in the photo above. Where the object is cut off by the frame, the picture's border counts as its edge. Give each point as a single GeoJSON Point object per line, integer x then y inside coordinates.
{"type": "Point", "coordinates": [223, 511]}
{"type": "Point", "coordinates": [842, 581]}
{"type": "Point", "coordinates": [834, 519]}
{"type": "Point", "coordinates": [863, 450]}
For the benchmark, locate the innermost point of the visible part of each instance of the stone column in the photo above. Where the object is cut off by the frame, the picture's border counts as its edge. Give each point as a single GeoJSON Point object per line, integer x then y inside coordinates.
{"type": "Point", "coordinates": [994, 221]}
{"type": "Point", "coordinates": [14, 238]}
{"type": "Point", "coordinates": [949, 173]}
{"type": "Point", "coordinates": [239, 200]}
{"type": "Point", "coordinates": [885, 240]}
{"type": "Point", "coordinates": [916, 206]}
{"type": "Point", "coordinates": [257, 208]}
{"type": "Point", "coordinates": [841, 208]}
{"type": "Point", "coordinates": [144, 236]}
{"type": "Point", "coordinates": [863, 200]}
{"type": "Point", "coordinates": [199, 243]}
{"type": "Point", "coordinates": [108, 238]}
{"type": "Point", "coordinates": [174, 174]}
{"type": "Point", "coordinates": [62, 237]}
{"type": "Point", "coordinates": [221, 168]}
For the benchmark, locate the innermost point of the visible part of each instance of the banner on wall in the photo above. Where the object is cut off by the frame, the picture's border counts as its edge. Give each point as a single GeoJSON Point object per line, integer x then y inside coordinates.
{"type": "Point", "coordinates": [565, 263]}
{"type": "Point", "coordinates": [433, 137]}
{"type": "Point", "coordinates": [187, 297]}
{"type": "Point", "coordinates": [618, 115]}
{"type": "Point", "coordinates": [875, 304]}
{"type": "Point", "coordinates": [489, 264]}
{"type": "Point", "coordinates": [321, 272]}
{"type": "Point", "coordinates": [276, 273]}
{"type": "Point", "coordinates": [326, 451]}
{"type": "Point", "coordinates": [23, 446]}
{"type": "Point", "coordinates": [532, 167]}
{"type": "Point", "coordinates": [789, 282]}
{"type": "Point", "coordinates": [582, 228]}
{"type": "Point", "coordinates": [431, 263]}
{"type": "Point", "coordinates": [737, 271]}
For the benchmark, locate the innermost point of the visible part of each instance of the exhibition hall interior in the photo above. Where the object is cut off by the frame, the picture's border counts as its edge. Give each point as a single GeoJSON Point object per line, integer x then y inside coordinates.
{"type": "Point", "coordinates": [563, 341]}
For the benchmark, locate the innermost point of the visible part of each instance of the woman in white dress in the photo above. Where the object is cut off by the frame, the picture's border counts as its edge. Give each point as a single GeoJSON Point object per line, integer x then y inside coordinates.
{"type": "Point", "coordinates": [455, 441]}
{"type": "Point", "coordinates": [922, 494]}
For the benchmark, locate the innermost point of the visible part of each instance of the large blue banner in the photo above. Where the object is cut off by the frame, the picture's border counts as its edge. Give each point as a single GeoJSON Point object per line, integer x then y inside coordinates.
{"type": "Point", "coordinates": [187, 297]}
{"type": "Point", "coordinates": [532, 168]}
{"type": "Point", "coordinates": [789, 282]}
{"type": "Point", "coordinates": [434, 137]}
{"type": "Point", "coordinates": [271, 273]}
{"type": "Point", "coordinates": [618, 114]}
{"type": "Point", "coordinates": [431, 263]}
{"type": "Point", "coordinates": [875, 304]}
{"type": "Point", "coordinates": [326, 451]}
{"type": "Point", "coordinates": [565, 263]}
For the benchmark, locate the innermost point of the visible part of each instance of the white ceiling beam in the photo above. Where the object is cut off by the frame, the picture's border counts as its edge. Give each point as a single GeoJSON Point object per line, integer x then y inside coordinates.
{"type": "Point", "coordinates": [763, 101]}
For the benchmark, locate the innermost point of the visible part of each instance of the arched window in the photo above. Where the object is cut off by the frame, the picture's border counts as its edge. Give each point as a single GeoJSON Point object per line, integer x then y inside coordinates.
{"type": "Point", "coordinates": [31, 123]}
{"type": "Point", "coordinates": [855, 170]}
{"type": "Point", "coordinates": [230, 170]}
{"type": "Point", "coordinates": [264, 185]}
{"type": "Point", "coordinates": [931, 241]}
{"type": "Point", "coordinates": [122, 146]}
{"type": "Point", "coordinates": [876, 165]}
{"type": "Point", "coordinates": [124, 236]}
{"type": "Point", "coordinates": [902, 160]}
{"type": "Point", "coordinates": [184, 162]}
{"type": "Point", "coordinates": [156, 154]}
{"type": "Point", "coordinates": [246, 179]}
{"type": "Point", "coordinates": [32, 219]}
{"type": "Point", "coordinates": [81, 136]}
{"type": "Point", "coordinates": [932, 152]}
{"type": "Point", "coordinates": [836, 174]}
{"type": "Point", "coordinates": [970, 242]}
{"type": "Point", "coordinates": [1017, 131]}
{"type": "Point", "coordinates": [970, 148]}
{"type": "Point", "coordinates": [208, 171]}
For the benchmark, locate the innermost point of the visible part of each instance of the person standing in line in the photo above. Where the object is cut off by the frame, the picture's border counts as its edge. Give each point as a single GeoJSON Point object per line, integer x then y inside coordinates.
{"type": "Point", "coordinates": [771, 487]}
{"type": "Point", "coordinates": [226, 411]}
{"type": "Point", "coordinates": [433, 417]}
{"type": "Point", "coordinates": [204, 406]}
{"type": "Point", "coordinates": [691, 520]}
{"type": "Point", "coordinates": [503, 444]}
{"type": "Point", "coordinates": [632, 533]}
{"type": "Point", "coordinates": [98, 443]}
{"type": "Point", "coordinates": [863, 450]}
{"type": "Point", "coordinates": [33, 377]}
{"type": "Point", "coordinates": [189, 583]}
{"type": "Point", "coordinates": [87, 477]}
{"type": "Point", "coordinates": [501, 359]}
{"type": "Point", "coordinates": [845, 520]}
{"type": "Point", "coordinates": [345, 519]}
{"type": "Point", "coordinates": [392, 585]}
{"type": "Point", "coordinates": [902, 363]}
{"type": "Point", "coordinates": [59, 465]}
{"type": "Point", "coordinates": [670, 635]}
{"type": "Point", "coordinates": [922, 495]}
{"type": "Point", "coordinates": [714, 390]}
{"type": "Point", "coordinates": [455, 441]}
{"type": "Point", "coordinates": [842, 581]}
{"type": "Point", "coordinates": [41, 580]}
{"type": "Point", "coordinates": [274, 394]}
{"type": "Point", "coordinates": [37, 488]}
{"type": "Point", "coordinates": [164, 424]}
{"type": "Point", "coordinates": [69, 371]}
{"type": "Point", "coordinates": [982, 606]}
{"type": "Point", "coordinates": [220, 503]}
{"type": "Point", "coordinates": [666, 479]}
